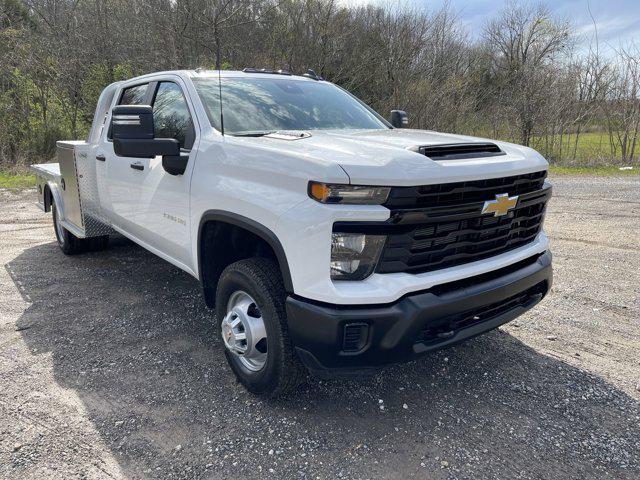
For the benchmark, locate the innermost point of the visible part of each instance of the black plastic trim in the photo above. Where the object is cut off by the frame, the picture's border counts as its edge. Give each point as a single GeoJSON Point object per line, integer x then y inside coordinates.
{"type": "Point", "coordinates": [253, 227]}
{"type": "Point", "coordinates": [266, 70]}
{"type": "Point", "coordinates": [150, 94]}
{"type": "Point", "coordinates": [461, 151]}
{"type": "Point", "coordinates": [316, 329]}
{"type": "Point", "coordinates": [450, 194]}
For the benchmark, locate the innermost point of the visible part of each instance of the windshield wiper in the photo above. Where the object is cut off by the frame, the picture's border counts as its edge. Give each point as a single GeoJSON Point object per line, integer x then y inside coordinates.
{"type": "Point", "coordinates": [254, 134]}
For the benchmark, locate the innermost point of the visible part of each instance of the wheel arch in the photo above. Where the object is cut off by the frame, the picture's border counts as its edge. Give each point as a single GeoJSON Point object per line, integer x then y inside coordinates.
{"type": "Point", "coordinates": [46, 197]}
{"type": "Point", "coordinates": [52, 195]}
{"type": "Point", "coordinates": [255, 228]}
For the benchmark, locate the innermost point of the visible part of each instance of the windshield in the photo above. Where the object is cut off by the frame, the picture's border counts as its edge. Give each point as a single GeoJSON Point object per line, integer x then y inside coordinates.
{"type": "Point", "coordinates": [255, 106]}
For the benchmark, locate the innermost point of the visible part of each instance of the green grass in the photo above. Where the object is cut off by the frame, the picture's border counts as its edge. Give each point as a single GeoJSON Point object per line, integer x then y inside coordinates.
{"type": "Point", "coordinates": [593, 148]}
{"type": "Point", "coordinates": [592, 171]}
{"type": "Point", "coordinates": [9, 180]}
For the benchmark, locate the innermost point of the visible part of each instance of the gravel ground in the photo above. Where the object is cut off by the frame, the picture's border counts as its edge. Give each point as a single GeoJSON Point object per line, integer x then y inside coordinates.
{"type": "Point", "coordinates": [110, 367]}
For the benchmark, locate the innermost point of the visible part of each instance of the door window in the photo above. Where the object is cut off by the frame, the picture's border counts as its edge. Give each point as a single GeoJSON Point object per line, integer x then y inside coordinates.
{"type": "Point", "coordinates": [133, 95]}
{"type": "Point", "coordinates": [171, 115]}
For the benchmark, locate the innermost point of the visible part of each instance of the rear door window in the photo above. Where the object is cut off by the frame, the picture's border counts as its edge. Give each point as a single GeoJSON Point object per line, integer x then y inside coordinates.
{"type": "Point", "coordinates": [134, 95]}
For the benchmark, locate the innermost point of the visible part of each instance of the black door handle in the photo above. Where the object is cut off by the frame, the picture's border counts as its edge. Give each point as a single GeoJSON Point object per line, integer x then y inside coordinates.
{"type": "Point", "coordinates": [137, 166]}
{"type": "Point", "coordinates": [100, 158]}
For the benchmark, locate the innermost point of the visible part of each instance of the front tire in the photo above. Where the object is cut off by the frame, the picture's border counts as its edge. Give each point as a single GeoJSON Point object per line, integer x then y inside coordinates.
{"type": "Point", "coordinates": [250, 309]}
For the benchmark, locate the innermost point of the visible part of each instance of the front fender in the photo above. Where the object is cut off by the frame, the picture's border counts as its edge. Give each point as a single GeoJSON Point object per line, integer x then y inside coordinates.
{"type": "Point", "coordinates": [254, 227]}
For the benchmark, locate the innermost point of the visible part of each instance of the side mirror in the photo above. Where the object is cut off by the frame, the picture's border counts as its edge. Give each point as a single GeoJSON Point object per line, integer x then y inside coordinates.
{"type": "Point", "coordinates": [399, 119]}
{"type": "Point", "coordinates": [133, 136]}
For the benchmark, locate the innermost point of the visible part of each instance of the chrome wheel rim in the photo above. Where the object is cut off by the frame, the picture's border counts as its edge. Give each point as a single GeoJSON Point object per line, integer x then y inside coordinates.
{"type": "Point", "coordinates": [243, 331]}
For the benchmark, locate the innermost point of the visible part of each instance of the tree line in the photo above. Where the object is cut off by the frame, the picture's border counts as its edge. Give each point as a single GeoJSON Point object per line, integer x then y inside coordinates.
{"type": "Point", "coordinates": [523, 78]}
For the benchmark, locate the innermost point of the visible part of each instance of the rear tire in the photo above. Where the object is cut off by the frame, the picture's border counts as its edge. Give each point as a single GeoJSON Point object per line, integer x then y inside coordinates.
{"type": "Point", "coordinates": [69, 243]}
{"type": "Point", "coordinates": [257, 282]}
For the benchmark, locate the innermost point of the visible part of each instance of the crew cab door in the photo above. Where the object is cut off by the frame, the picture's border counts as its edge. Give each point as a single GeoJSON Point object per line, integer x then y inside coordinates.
{"type": "Point", "coordinates": [122, 175]}
{"type": "Point", "coordinates": [162, 211]}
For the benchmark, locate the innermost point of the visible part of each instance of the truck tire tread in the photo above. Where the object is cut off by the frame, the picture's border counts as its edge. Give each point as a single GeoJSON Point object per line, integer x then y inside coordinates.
{"type": "Point", "coordinates": [266, 275]}
{"type": "Point", "coordinates": [72, 245]}
{"type": "Point", "coordinates": [69, 243]}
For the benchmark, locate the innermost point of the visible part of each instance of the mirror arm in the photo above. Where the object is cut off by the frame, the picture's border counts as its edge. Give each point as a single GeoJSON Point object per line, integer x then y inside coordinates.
{"type": "Point", "coordinates": [175, 164]}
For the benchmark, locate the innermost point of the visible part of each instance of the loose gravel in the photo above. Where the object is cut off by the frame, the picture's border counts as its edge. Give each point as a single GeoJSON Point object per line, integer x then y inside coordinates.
{"type": "Point", "coordinates": [110, 367]}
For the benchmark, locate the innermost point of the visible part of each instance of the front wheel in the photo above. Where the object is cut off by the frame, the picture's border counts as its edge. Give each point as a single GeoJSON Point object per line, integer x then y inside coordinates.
{"type": "Point", "coordinates": [251, 317]}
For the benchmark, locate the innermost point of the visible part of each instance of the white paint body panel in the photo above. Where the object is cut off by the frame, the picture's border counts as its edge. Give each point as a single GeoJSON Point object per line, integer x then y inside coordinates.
{"type": "Point", "coordinates": [266, 179]}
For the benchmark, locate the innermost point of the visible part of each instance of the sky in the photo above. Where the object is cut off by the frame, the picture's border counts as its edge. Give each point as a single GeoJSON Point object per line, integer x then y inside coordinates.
{"type": "Point", "coordinates": [617, 21]}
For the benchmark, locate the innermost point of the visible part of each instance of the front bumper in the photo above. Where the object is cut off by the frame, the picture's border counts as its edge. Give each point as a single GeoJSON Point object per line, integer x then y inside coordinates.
{"type": "Point", "coordinates": [326, 336]}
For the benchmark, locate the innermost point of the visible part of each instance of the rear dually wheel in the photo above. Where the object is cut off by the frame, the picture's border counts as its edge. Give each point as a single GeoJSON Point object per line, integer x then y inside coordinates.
{"type": "Point", "coordinates": [69, 243]}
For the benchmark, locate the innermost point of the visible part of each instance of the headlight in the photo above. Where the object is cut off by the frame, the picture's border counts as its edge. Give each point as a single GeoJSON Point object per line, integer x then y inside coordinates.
{"type": "Point", "coordinates": [349, 194]}
{"type": "Point", "coordinates": [354, 255]}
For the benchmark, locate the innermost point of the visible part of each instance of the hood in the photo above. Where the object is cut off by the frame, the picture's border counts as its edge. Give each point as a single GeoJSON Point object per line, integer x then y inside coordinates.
{"type": "Point", "coordinates": [391, 157]}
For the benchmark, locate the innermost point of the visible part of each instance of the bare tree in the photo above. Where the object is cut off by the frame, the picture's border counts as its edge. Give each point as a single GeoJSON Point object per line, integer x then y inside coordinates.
{"type": "Point", "coordinates": [522, 81]}
{"type": "Point", "coordinates": [526, 42]}
{"type": "Point", "coordinates": [621, 106]}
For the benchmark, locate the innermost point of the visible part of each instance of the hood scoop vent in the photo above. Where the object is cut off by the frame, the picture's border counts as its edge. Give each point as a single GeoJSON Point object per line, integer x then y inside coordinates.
{"type": "Point", "coordinates": [460, 151]}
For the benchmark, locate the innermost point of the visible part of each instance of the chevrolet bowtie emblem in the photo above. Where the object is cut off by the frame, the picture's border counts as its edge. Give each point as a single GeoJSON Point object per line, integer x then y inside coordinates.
{"type": "Point", "coordinates": [501, 205]}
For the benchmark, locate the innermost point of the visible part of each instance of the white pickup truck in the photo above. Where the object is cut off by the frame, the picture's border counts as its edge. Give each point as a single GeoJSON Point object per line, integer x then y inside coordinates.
{"type": "Point", "coordinates": [323, 235]}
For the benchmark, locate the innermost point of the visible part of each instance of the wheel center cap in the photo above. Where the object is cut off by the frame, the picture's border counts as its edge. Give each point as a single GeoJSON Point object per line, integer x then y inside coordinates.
{"type": "Point", "coordinates": [229, 335]}
{"type": "Point", "coordinates": [243, 331]}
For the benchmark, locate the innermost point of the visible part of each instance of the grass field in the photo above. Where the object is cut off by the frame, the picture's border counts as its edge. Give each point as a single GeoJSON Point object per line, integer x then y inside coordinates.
{"type": "Point", "coordinates": [8, 180]}
{"type": "Point", "coordinates": [593, 149]}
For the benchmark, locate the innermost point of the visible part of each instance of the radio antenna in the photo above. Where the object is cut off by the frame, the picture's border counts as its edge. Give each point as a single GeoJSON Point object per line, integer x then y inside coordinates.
{"type": "Point", "coordinates": [220, 92]}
